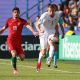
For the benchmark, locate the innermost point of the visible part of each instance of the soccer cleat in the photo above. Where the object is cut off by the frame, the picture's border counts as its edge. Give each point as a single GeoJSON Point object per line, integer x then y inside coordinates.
{"type": "Point", "coordinates": [49, 65]}
{"type": "Point", "coordinates": [15, 72]}
{"type": "Point", "coordinates": [55, 66]}
{"type": "Point", "coordinates": [38, 66]}
{"type": "Point", "coordinates": [48, 62]}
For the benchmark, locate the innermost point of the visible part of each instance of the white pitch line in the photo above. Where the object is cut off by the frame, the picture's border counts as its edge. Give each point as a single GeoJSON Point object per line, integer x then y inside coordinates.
{"type": "Point", "coordinates": [57, 70]}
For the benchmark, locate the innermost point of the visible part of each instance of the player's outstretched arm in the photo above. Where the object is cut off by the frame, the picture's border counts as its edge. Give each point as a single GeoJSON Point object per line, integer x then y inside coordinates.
{"type": "Point", "coordinates": [3, 29]}
{"type": "Point", "coordinates": [32, 30]}
{"type": "Point", "coordinates": [39, 29]}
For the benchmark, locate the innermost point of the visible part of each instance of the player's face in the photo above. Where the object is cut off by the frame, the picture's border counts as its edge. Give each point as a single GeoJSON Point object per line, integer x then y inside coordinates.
{"type": "Point", "coordinates": [51, 11]}
{"type": "Point", "coordinates": [15, 14]}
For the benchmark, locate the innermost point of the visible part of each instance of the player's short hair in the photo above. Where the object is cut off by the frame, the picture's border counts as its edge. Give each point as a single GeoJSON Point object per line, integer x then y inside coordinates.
{"type": "Point", "coordinates": [56, 7]}
{"type": "Point", "coordinates": [52, 6]}
{"type": "Point", "coordinates": [16, 8]}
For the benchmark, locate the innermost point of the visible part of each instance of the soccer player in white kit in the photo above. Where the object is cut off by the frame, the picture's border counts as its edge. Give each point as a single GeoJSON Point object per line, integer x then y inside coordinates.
{"type": "Point", "coordinates": [48, 33]}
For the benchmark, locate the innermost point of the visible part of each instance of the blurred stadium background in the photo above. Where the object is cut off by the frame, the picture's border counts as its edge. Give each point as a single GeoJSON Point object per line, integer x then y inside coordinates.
{"type": "Point", "coordinates": [69, 47]}
{"type": "Point", "coordinates": [30, 9]}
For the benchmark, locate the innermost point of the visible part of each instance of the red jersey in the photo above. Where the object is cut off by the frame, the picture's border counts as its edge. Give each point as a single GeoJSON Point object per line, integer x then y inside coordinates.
{"type": "Point", "coordinates": [15, 27]}
{"type": "Point", "coordinates": [14, 38]}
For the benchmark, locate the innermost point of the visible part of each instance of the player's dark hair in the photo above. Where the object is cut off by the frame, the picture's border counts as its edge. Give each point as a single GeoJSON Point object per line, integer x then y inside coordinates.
{"type": "Point", "coordinates": [51, 6]}
{"type": "Point", "coordinates": [16, 8]}
{"type": "Point", "coordinates": [56, 7]}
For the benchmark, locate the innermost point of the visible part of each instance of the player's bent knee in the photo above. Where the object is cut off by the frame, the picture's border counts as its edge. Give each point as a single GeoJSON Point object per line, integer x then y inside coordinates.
{"type": "Point", "coordinates": [43, 51]}
{"type": "Point", "coordinates": [22, 57]}
{"type": "Point", "coordinates": [52, 39]}
{"type": "Point", "coordinates": [50, 42]}
{"type": "Point", "coordinates": [13, 53]}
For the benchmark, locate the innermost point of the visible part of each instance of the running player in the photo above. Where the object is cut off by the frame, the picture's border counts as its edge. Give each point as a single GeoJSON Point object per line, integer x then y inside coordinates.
{"type": "Point", "coordinates": [46, 27]}
{"type": "Point", "coordinates": [15, 25]}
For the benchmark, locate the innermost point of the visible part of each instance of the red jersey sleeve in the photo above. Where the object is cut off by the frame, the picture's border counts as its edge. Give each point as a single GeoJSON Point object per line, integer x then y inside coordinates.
{"type": "Point", "coordinates": [6, 24]}
{"type": "Point", "coordinates": [25, 23]}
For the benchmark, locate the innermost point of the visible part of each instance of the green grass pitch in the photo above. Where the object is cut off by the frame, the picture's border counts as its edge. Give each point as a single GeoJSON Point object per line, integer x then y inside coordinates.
{"type": "Point", "coordinates": [67, 70]}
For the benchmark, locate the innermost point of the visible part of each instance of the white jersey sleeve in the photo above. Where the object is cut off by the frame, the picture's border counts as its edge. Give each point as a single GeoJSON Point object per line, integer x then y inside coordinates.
{"type": "Point", "coordinates": [42, 18]}
{"type": "Point", "coordinates": [48, 23]}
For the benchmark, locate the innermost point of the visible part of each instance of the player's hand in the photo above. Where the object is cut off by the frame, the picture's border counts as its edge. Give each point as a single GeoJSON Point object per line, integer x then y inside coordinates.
{"type": "Point", "coordinates": [36, 34]}
{"type": "Point", "coordinates": [41, 31]}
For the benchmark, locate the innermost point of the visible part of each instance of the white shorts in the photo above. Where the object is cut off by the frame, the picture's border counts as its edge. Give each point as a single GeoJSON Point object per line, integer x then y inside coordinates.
{"type": "Point", "coordinates": [43, 41]}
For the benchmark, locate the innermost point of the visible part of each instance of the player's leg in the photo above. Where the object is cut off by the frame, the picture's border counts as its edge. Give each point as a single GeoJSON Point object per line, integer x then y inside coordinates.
{"type": "Point", "coordinates": [51, 42]}
{"type": "Point", "coordinates": [55, 55]}
{"type": "Point", "coordinates": [47, 53]}
{"type": "Point", "coordinates": [41, 54]}
{"type": "Point", "coordinates": [20, 53]}
{"type": "Point", "coordinates": [51, 52]}
{"type": "Point", "coordinates": [14, 61]}
{"type": "Point", "coordinates": [22, 56]}
{"type": "Point", "coordinates": [43, 44]}
{"type": "Point", "coordinates": [12, 50]}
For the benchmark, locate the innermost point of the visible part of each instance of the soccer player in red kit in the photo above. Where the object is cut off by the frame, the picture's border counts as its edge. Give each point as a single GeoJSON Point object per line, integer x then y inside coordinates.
{"type": "Point", "coordinates": [15, 25]}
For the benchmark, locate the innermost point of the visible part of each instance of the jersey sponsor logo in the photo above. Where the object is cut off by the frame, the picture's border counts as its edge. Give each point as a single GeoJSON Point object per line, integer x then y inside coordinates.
{"type": "Point", "coordinates": [55, 21]}
{"type": "Point", "coordinates": [26, 46]}
{"type": "Point", "coordinates": [14, 27]}
{"type": "Point", "coordinates": [50, 22]}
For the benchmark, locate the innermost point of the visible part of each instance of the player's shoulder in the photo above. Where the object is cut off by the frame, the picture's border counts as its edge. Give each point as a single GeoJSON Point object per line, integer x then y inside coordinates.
{"type": "Point", "coordinates": [9, 19]}
{"type": "Point", "coordinates": [22, 19]}
{"type": "Point", "coordinates": [56, 13]}
{"type": "Point", "coordinates": [44, 14]}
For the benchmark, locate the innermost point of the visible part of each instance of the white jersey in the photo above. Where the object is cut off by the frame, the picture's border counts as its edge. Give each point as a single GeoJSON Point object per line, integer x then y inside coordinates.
{"type": "Point", "coordinates": [48, 23]}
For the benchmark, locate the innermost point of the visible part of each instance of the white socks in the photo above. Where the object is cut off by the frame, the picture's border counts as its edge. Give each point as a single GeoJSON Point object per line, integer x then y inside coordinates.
{"type": "Point", "coordinates": [51, 51]}
{"type": "Point", "coordinates": [40, 57]}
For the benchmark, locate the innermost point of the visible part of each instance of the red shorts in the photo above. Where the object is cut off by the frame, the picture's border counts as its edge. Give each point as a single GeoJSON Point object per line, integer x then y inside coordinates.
{"type": "Point", "coordinates": [15, 45]}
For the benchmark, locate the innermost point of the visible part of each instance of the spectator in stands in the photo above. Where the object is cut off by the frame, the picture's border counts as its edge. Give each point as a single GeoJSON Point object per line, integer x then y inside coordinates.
{"type": "Point", "coordinates": [78, 3]}
{"type": "Point", "coordinates": [60, 11]}
{"type": "Point", "coordinates": [66, 12]}
{"type": "Point", "coordinates": [73, 16]}
{"type": "Point", "coordinates": [30, 21]}
{"type": "Point", "coordinates": [79, 21]}
{"type": "Point", "coordinates": [36, 21]}
{"type": "Point", "coordinates": [73, 9]}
